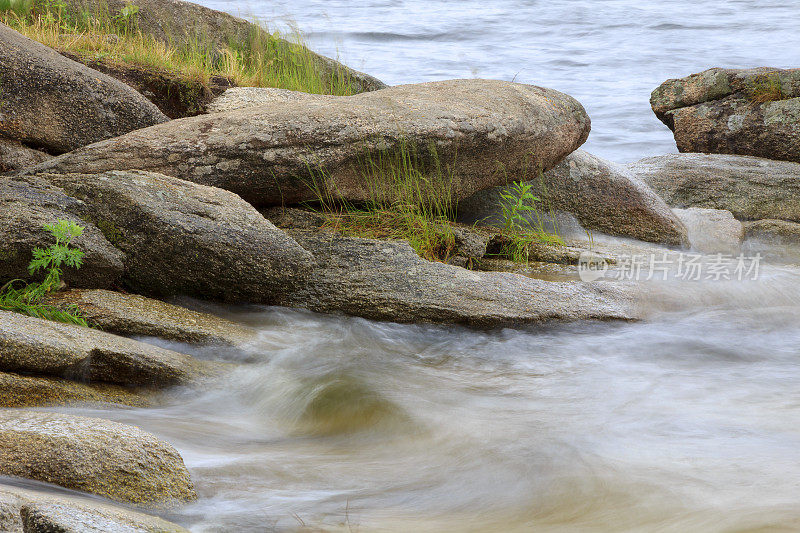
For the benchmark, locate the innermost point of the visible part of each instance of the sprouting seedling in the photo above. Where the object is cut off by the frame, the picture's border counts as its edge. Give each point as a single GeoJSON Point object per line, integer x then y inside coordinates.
{"type": "Point", "coordinates": [54, 256]}
{"type": "Point", "coordinates": [516, 200]}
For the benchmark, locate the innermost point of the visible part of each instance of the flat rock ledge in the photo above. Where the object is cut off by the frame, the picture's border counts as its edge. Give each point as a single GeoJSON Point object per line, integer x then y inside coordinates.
{"type": "Point", "coordinates": [32, 345]}
{"type": "Point", "coordinates": [293, 151]}
{"type": "Point", "coordinates": [133, 315]}
{"type": "Point", "coordinates": [387, 280]}
{"type": "Point", "coordinates": [116, 461]}
{"type": "Point", "coordinates": [17, 390]}
{"type": "Point", "coordinates": [32, 511]}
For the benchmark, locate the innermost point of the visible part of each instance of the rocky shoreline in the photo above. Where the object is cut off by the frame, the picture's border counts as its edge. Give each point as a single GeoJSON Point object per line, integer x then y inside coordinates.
{"type": "Point", "coordinates": [217, 206]}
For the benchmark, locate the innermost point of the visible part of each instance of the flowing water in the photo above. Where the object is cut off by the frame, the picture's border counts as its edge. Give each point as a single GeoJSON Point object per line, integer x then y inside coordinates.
{"type": "Point", "coordinates": [687, 421]}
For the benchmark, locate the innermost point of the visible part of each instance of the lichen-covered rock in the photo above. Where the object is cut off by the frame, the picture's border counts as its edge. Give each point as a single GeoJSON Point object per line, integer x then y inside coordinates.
{"type": "Point", "coordinates": [117, 461]}
{"type": "Point", "coordinates": [184, 238]}
{"type": "Point", "coordinates": [712, 231]}
{"type": "Point", "coordinates": [485, 131]}
{"type": "Point", "coordinates": [186, 24]}
{"type": "Point", "coordinates": [749, 187]}
{"type": "Point", "coordinates": [16, 156]}
{"type": "Point", "coordinates": [134, 315]}
{"type": "Point", "coordinates": [33, 345]}
{"type": "Point", "coordinates": [32, 511]}
{"type": "Point", "coordinates": [387, 280]}
{"type": "Point", "coordinates": [17, 390]}
{"type": "Point", "coordinates": [25, 207]}
{"type": "Point", "coordinates": [734, 111]}
{"type": "Point", "coordinates": [603, 196]}
{"type": "Point", "coordinates": [53, 102]}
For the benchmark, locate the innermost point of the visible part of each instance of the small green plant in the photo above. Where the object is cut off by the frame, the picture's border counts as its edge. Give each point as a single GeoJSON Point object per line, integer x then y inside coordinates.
{"type": "Point", "coordinates": [19, 8]}
{"type": "Point", "coordinates": [766, 88]}
{"type": "Point", "coordinates": [518, 206]}
{"type": "Point", "coordinates": [27, 299]}
{"type": "Point", "coordinates": [516, 201]}
{"type": "Point", "coordinates": [126, 18]}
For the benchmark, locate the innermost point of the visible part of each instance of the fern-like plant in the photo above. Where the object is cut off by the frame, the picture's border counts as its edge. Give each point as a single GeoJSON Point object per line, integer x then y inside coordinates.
{"type": "Point", "coordinates": [27, 298]}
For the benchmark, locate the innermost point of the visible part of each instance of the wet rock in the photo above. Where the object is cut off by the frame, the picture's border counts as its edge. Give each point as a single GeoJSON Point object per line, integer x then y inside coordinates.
{"type": "Point", "coordinates": [117, 461]}
{"type": "Point", "coordinates": [734, 111]}
{"type": "Point", "coordinates": [30, 391]}
{"type": "Point", "coordinates": [134, 315]}
{"type": "Point", "coordinates": [603, 196]}
{"type": "Point", "coordinates": [53, 102]}
{"type": "Point", "coordinates": [387, 280]}
{"type": "Point", "coordinates": [25, 207]}
{"type": "Point", "coordinates": [270, 155]}
{"type": "Point", "coordinates": [185, 24]}
{"type": "Point", "coordinates": [183, 238]}
{"type": "Point", "coordinates": [749, 187]}
{"type": "Point", "coordinates": [712, 231]}
{"type": "Point", "coordinates": [773, 231]}
{"type": "Point", "coordinates": [32, 345]}
{"type": "Point", "coordinates": [15, 156]}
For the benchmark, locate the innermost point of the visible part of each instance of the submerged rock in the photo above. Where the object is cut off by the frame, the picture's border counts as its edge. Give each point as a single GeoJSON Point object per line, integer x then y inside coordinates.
{"type": "Point", "coordinates": [185, 24]}
{"type": "Point", "coordinates": [749, 187]}
{"type": "Point", "coordinates": [30, 511]}
{"type": "Point", "coordinates": [712, 231]}
{"type": "Point", "coordinates": [15, 156]}
{"type": "Point", "coordinates": [603, 196]}
{"type": "Point", "coordinates": [31, 391]}
{"type": "Point", "coordinates": [33, 345]}
{"type": "Point", "coordinates": [117, 461]}
{"type": "Point", "coordinates": [734, 111]}
{"type": "Point", "coordinates": [53, 102]}
{"type": "Point", "coordinates": [485, 131]}
{"type": "Point", "coordinates": [134, 315]}
{"type": "Point", "coordinates": [387, 280]}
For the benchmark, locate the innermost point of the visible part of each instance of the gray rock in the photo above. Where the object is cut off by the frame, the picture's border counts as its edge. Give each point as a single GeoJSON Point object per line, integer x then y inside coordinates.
{"type": "Point", "coordinates": [27, 205]}
{"type": "Point", "coordinates": [17, 390]}
{"type": "Point", "coordinates": [183, 238]}
{"type": "Point", "coordinates": [603, 196]}
{"type": "Point", "coordinates": [187, 24]}
{"type": "Point", "coordinates": [134, 315]}
{"type": "Point", "coordinates": [734, 111]}
{"type": "Point", "coordinates": [712, 231]}
{"type": "Point", "coordinates": [242, 97]}
{"type": "Point", "coordinates": [117, 461]}
{"type": "Point", "coordinates": [749, 187]}
{"type": "Point", "coordinates": [15, 156]}
{"type": "Point", "coordinates": [33, 345]}
{"type": "Point", "coordinates": [31, 511]}
{"type": "Point", "coordinates": [268, 154]}
{"type": "Point", "coordinates": [53, 102]}
{"type": "Point", "coordinates": [773, 231]}
{"type": "Point", "coordinates": [387, 280]}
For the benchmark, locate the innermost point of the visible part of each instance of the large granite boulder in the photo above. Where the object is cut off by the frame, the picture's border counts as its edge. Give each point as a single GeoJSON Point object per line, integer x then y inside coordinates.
{"type": "Point", "coordinates": [749, 187]}
{"type": "Point", "coordinates": [15, 156]}
{"type": "Point", "coordinates": [485, 131]}
{"type": "Point", "coordinates": [780, 232]}
{"type": "Point", "coordinates": [117, 461]}
{"type": "Point", "coordinates": [387, 280]}
{"type": "Point", "coordinates": [32, 511]}
{"type": "Point", "coordinates": [182, 238]}
{"type": "Point", "coordinates": [712, 231]}
{"type": "Point", "coordinates": [27, 205]}
{"type": "Point", "coordinates": [36, 346]}
{"type": "Point", "coordinates": [55, 103]}
{"type": "Point", "coordinates": [734, 111]}
{"type": "Point", "coordinates": [603, 196]}
{"type": "Point", "coordinates": [184, 24]}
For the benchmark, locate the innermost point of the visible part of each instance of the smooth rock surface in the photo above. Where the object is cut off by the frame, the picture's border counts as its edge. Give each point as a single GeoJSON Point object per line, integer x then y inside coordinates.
{"type": "Point", "coordinates": [117, 461]}
{"type": "Point", "coordinates": [242, 97]}
{"type": "Point", "coordinates": [603, 196]}
{"type": "Point", "coordinates": [712, 231]}
{"type": "Point", "coordinates": [31, 391]}
{"type": "Point", "coordinates": [134, 315]}
{"type": "Point", "coordinates": [487, 131]}
{"type": "Point", "coordinates": [734, 111]}
{"type": "Point", "coordinates": [33, 345]}
{"type": "Point", "coordinates": [55, 103]}
{"type": "Point", "coordinates": [33, 511]}
{"type": "Point", "coordinates": [15, 156]}
{"type": "Point", "coordinates": [25, 207]}
{"type": "Point", "coordinates": [184, 238]}
{"type": "Point", "coordinates": [184, 23]}
{"type": "Point", "coordinates": [749, 187]}
{"type": "Point", "coordinates": [387, 280]}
